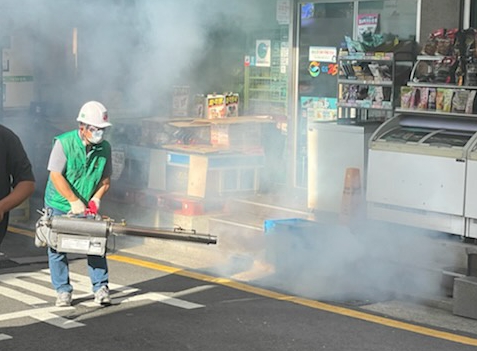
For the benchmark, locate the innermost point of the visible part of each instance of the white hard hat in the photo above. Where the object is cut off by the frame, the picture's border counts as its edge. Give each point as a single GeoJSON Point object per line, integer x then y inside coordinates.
{"type": "Point", "coordinates": [95, 114]}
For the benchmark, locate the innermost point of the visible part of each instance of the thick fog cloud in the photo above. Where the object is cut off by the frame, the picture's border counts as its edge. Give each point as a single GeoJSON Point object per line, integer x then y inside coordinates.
{"type": "Point", "coordinates": [129, 52]}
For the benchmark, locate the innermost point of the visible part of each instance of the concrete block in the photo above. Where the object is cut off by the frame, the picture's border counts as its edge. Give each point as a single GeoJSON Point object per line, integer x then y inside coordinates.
{"type": "Point", "coordinates": [465, 297]}
{"type": "Point", "coordinates": [471, 261]}
{"type": "Point", "coordinates": [449, 274]}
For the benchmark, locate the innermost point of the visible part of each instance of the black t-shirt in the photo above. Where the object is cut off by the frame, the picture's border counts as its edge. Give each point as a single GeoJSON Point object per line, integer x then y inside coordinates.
{"type": "Point", "coordinates": [14, 163]}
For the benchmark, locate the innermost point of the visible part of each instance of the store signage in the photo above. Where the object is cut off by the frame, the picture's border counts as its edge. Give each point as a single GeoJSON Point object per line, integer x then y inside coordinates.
{"type": "Point", "coordinates": [316, 68]}
{"type": "Point", "coordinates": [322, 54]}
{"type": "Point", "coordinates": [263, 53]}
{"type": "Point", "coordinates": [283, 12]}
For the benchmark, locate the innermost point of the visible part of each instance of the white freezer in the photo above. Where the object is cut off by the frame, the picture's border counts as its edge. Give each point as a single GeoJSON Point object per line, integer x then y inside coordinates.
{"type": "Point", "coordinates": [418, 173]}
{"type": "Point", "coordinates": [471, 193]}
{"type": "Point", "coordinates": [332, 148]}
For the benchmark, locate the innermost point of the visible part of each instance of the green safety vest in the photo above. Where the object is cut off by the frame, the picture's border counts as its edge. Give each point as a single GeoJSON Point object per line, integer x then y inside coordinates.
{"type": "Point", "coordinates": [82, 172]}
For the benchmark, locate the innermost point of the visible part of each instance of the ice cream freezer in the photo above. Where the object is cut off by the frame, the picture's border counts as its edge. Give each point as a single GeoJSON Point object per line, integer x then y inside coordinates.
{"type": "Point", "coordinates": [418, 173]}
{"type": "Point", "coordinates": [471, 193]}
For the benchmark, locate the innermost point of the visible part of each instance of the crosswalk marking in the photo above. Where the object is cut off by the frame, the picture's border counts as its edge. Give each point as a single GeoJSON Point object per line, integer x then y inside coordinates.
{"type": "Point", "coordinates": [16, 295]}
{"type": "Point", "coordinates": [23, 284]}
{"type": "Point", "coordinates": [17, 285]}
{"type": "Point", "coordinates": [45, 314]}
{"type": "Point", "coordinates": [156, 297]}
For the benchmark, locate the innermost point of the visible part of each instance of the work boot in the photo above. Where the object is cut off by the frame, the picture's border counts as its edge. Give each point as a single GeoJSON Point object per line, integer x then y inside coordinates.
{"type": "Point", "coordinates": [102, 297]}
{"type": "Point", "coordinates": [63, 299]}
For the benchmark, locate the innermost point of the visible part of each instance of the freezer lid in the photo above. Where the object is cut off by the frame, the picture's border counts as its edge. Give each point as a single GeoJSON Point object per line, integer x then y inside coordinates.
{"type": "Point", "coordinates": [449, 138]}
{"type": "Point", "coordinates": [425, 131]}
{"type": "Point", "coordinates": [447, 123]}
{"type": "Point", "coordinates": [405, 135]}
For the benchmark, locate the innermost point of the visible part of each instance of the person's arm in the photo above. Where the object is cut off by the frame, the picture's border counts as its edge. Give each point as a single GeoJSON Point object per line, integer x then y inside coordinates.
{"type": "Point", "coordinates": [62, 186]}
{"type": "Point", "coordinates": [20, 193]}
{"type": "Point", "coordinates": [103, 188]}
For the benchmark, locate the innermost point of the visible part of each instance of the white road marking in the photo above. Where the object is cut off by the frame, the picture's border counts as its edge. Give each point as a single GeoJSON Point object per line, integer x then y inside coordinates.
{"type": "Point", "coordinates": [35, 283]}
{"type": "Point", "coordinates": [23, 284]}
{"type": "Point", "coordinates": [44, 315]}
{"type": "Point", "coordinates": [5, 337]}
{"type": "Point", "coordinates": [156, 297]}
{"type": "Point", "coordinates": [16, 295]}
{"type": "Point", "coordinates": [190, 291]}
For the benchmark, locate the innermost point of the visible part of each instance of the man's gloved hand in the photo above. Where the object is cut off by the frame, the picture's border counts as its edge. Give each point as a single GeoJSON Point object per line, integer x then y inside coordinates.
{"type": "Point", "coordinates": [93, 206]}
{"type": "Point", "coordinates": [77, 207]}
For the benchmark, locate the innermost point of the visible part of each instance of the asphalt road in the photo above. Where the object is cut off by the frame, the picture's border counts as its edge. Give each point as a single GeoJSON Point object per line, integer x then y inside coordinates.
{"type": "Point", "coordinates": [160, 307]}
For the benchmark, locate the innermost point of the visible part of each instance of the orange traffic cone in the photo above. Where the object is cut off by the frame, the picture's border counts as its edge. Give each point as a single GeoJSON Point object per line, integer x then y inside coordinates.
{"type": "Point", "coordinates": [351, 200]}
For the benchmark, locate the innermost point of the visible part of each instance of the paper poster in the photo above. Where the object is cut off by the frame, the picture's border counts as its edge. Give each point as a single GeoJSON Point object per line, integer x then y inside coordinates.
{"type": "Point", "coordinates": [319, 108]}
{"type": "Point", "coordinates": [322, 54]}
{"type": "Point", "coordinates": [367, 25]}
{"type": "Point", "coordinates": [283, 11]}
{"type": "Point", "coordinates": [263, 53]}
{"type": "Point", "coordinates": [180, 101]}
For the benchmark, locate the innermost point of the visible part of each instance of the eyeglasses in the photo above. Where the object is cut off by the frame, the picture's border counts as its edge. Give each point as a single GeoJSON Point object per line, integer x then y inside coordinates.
{"type": "Point", "coordinates": [94, 129]}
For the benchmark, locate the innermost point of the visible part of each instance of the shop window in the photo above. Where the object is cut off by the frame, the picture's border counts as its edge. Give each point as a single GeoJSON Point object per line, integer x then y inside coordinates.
{"type": "Point", "coordinates": [397, 18]}
{"type": "Point", "coordinates": [323, 25]}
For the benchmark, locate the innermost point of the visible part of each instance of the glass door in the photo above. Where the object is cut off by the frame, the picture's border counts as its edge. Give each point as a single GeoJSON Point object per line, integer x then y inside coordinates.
{"type": "Point", "coordinates": [322, 30]}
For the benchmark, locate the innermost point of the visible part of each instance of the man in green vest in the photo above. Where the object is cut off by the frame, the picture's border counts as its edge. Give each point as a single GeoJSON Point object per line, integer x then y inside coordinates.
{"type": "Point", "coordinates": [80, 169]}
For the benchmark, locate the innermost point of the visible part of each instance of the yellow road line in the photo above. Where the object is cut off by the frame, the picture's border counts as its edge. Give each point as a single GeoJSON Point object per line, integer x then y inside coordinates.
{"type": "Point", "coordinates": [300, 301]}
{"type": "Point", "coordinates": [21, 231]}
{"type": "Point", "coordinates": [279, 296]}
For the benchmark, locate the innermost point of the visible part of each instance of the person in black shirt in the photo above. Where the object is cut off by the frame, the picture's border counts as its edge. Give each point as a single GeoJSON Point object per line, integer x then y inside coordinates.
{"type": "Point", "coordinates": [17, 182]}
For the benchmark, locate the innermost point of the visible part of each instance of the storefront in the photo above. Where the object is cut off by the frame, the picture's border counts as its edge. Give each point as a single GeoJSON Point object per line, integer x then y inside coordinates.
{"type": "Point", "coordinates": [320, 30]}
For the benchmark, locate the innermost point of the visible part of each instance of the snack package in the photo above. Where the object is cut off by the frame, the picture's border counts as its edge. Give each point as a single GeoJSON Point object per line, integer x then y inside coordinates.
{"type": "Point", "coordinates": [447, 100]}
{"type": "Point", "coordinates": [231, 104]}
{"type": "Point", "coordinates": [469, 107]}
{"type": "Point", "coordinates": [406, 93]}
{"type": "Point", "coordinates": [459, 101]}
{"type": "Point", "coordinates": [215, 106]}
{"type": "Point", "coordinates": [424, 94]}
{"type": "Point", "coordinates": [415, 97]}
{"type": "Point", "coordinates": [374, 68]}
{"type": "Point", "coordinates": [431, 104]}
{"type": "Point", "coordinates": [440, 99]}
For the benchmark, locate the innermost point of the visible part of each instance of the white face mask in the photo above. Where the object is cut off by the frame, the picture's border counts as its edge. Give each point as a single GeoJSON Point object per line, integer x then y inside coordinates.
{"type": "Point", "coordinates": [96, 136]}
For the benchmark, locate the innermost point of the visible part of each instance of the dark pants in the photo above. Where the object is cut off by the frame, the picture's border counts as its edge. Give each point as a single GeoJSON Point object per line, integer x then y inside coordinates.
{"type": "Point", "coordinates": [3, 227]}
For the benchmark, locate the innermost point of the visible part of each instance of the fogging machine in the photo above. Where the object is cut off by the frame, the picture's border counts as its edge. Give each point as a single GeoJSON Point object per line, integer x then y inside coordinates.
{"type": "Point", "coordinates": [89, 234]}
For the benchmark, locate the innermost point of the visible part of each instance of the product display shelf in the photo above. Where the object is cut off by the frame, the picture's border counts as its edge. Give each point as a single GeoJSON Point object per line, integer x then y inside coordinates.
{"type": "Point", "coordinates": [365, 87]}
{"type": "Point", "coordinates": [425, 58]}
{"type": "Point", "coordinates": [433, 111]}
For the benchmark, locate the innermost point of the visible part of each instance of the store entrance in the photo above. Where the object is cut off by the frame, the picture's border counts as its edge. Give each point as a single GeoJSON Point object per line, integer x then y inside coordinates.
{"type": "Point", "coordinates": [323, 27]}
